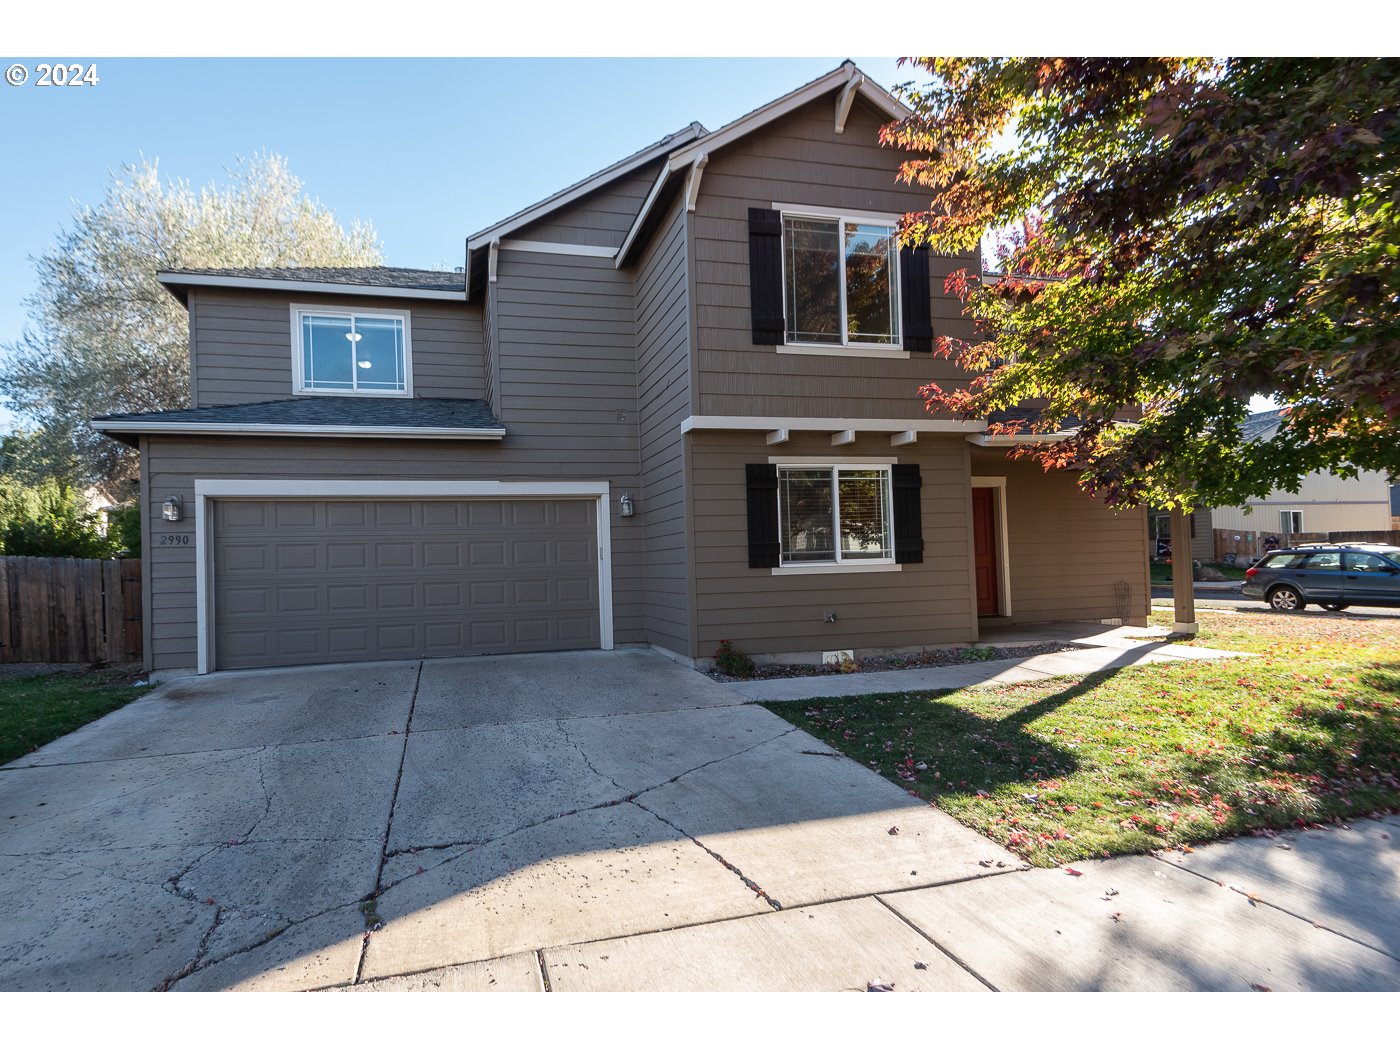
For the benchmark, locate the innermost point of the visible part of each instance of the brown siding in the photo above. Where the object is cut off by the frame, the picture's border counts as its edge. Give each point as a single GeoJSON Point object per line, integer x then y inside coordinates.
{"type": "Point", "coordinates": [927, 604]}
{"type": "Point", "coordinates": [241, 344]}
{"type": "Point", "coordinates": [600, 219]}
{"type": "Point", "coordinates": [799, 159]}
{"type": "Point", "coordinates": [567, 391]}
{"type": "Point", "coordinates": [1071, 557]}
{"type": "Point", "coordinates": [663, 401]}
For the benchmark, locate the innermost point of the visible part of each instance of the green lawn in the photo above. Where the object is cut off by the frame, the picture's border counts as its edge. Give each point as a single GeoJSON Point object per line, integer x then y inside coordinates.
{"type": "Point", "coordinates": [34, 711]}
{"type": "Point", "coordinates": [1122, 762]}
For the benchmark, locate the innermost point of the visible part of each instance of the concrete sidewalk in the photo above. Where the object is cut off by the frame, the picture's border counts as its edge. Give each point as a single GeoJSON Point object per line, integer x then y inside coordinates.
{"type": "Point", "coordinates": [1304, 911]}
{"type": "Point", "coordinates": [1107, 649]}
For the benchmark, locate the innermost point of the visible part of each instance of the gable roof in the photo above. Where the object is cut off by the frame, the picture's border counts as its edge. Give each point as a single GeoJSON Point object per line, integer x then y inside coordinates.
{"type": "Point", "coordinates": [847, 77]}
{"type": "Point", "coordinates": [1261, 425]}
{"type": "Point", "coordinates": [393, 281]}
{"type": "Point", "coordinates": [585, 186]}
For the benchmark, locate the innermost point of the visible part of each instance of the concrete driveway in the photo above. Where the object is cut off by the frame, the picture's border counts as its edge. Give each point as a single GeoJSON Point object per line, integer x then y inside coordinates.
{"type": "Point", "coordinates": [461, 820]}
{"type": "Point", "coordinates": [604, 821]}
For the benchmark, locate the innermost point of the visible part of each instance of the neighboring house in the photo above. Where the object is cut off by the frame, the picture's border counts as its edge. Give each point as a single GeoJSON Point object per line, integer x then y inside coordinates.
{"type": "Point", "coordinates": [1324, 503]}
{"type": "Point", "coordinates": [1395, 507]}
{"type": "Point", "coordinates": [673, 404]}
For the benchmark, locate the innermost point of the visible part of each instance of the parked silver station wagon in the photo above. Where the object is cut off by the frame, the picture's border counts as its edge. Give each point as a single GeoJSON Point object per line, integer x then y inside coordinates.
{"type": "Point", "coordinates": [1332, 575]}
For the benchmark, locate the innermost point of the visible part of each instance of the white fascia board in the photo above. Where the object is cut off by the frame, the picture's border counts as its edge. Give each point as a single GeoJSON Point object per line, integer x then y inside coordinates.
{"type": "Point", "coordinates": [121, 426]}
{"type": "Point", "coordinates": [791, 423]}
{"type": "Point", "coordinates": [1006, 440]}
{"type": "Point", "coordinates": [354, 487]}
{"type": "Point", "coordinates": [323, 287]}
{"type": "Point", "coordinates": [642, 213]}
{"type": "Point", "coordinates": [582, 189]}
{"type": "Point", "coordinates": [781, 107]}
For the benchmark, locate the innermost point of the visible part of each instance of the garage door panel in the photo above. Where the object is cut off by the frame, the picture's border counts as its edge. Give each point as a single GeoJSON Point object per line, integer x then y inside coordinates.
{"type": "Point", "coordinates": [292, 515]}
{"type": "Point", "coordinates": [395, 515]}
{"type": "Point", "coordinates": [442, 595]}
{"type": "Point", "coordinates": [527, 513]}
{"type": "Point", "coordinates": [300, 600]}
{"type": "Point", "coordinates": [325, 581]}
{"type": "Point", "coordinates": [446, 555]}
{"type": "Point", "coordinates": [291, 557]}
{"type": "Point", "coordinates": [346, 515]}
{"type": "Point", "coordinates": [396, 555]}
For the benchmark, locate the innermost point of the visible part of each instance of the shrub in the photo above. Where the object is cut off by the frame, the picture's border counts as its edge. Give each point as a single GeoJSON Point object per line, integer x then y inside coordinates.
{"type": "Point", "coordinates": [51, 521]}
{"type": "Point", "coordinates": [733, 662]}
{"type": "Point", "coordinates": [977, 652]}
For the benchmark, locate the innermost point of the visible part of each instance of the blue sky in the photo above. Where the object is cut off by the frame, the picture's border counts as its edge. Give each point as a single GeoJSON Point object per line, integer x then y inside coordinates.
{"type": "Point", "coordinates": [428, 150]}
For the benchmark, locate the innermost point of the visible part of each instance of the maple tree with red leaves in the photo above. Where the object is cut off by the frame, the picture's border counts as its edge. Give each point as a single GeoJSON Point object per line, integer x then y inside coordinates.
{"type": "Point", "coordinates": [1200, 231]}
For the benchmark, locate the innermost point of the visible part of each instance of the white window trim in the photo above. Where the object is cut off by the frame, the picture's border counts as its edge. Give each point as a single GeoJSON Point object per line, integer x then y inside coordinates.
{"type": "Point", "coordinates": [839, 564]}
{"type": "Point", "coordinates": [845, 348]}
{"type": "Point", "coordinates": [298, 378]}
{"type": "Point", "coordinates": [1290, 513]}
{"type": "Point", "coordinates": [206, 490]}
{"type": "Point", "coordinates": [824, 568]}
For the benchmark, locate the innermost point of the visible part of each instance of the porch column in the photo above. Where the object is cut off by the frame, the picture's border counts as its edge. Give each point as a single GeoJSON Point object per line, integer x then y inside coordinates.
{"type": "Point", "coordinates": [1183, 593]}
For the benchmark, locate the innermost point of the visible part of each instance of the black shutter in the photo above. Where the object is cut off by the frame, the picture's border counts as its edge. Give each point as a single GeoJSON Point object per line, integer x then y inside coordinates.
{"type": "Point", "coordinates": [763, 515]}
{"type": "Point", "coordinates": [908, 522]}
{"type": "Point", "coordinates": [914, 299]}
{"type": "Point", "coordinates": [766, 277]}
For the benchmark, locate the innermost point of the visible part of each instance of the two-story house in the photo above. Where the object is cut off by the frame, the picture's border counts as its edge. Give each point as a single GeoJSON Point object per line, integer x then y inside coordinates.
{"type": "Point", "coordinates": [674, 403]}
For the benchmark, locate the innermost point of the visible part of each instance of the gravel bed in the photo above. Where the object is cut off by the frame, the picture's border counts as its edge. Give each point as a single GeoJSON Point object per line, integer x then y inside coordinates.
{"type": "Point", "coordinates": [928, 658]}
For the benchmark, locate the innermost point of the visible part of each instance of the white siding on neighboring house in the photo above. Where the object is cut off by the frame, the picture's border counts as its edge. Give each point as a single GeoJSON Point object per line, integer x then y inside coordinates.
{"type": "Point", "coordinates": [1328, 504]}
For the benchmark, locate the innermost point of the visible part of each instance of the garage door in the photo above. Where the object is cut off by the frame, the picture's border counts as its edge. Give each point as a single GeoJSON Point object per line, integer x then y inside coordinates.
{"type": "Point", "coordinates": [323, 581]}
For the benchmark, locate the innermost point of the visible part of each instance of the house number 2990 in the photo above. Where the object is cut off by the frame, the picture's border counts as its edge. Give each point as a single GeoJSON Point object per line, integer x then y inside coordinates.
{"type": "Point", "coordinates": [175, 539]}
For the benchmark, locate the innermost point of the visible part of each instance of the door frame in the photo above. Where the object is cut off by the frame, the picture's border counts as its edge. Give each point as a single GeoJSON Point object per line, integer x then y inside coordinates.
{"type": "Point", "coordinates": [1003, 559]}
{"type": "Point", "coordinates": [206, 490]}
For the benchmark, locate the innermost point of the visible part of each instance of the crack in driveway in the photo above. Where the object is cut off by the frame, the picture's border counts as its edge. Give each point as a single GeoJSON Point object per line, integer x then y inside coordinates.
{"type": "Point", "coordinates": [469, 845]}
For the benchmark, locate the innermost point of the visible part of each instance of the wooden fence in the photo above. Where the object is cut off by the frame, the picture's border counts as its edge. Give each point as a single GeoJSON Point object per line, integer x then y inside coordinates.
{"type": "Point", "coordinates": [1243, 547]}
{"type": "Point", "coordinates": [69, 610]}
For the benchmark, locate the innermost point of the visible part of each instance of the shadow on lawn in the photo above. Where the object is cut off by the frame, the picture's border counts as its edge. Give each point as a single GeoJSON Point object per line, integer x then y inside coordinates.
{"type": "Point", "coordinates": [966, 752]}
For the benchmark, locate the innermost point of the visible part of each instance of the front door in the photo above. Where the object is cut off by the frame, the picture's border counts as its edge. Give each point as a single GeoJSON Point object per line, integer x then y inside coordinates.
{"type": "Point", "coordinates": [984, 533]}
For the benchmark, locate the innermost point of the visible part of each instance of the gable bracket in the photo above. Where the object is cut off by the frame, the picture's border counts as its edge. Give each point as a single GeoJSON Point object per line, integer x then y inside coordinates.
{"type": "Point", "coordinates": [692, 181]}
{"type": "Point", "coordinates": [845, 100]}
{"type": "Point", "coordinates": [492, 253]}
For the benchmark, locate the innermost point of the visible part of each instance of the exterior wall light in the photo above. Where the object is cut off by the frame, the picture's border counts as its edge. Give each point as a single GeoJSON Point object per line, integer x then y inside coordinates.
{"type": "Point", "coordinates": [627, 508]}
{"type": "Point", "coordinates": [173, 509]}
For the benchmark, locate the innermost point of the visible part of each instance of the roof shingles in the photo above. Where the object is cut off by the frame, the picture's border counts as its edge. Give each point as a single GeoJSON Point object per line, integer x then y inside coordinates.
{"type": "Point", "coordinates": [331, 412]}
{"type": "Point", "coordinates": [357, 276]}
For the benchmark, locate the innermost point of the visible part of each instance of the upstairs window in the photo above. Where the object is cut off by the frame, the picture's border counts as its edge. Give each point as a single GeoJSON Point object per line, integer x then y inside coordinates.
{"type": "Point", "coordinates": [841, 281]}
{"type": "Point", "coordinates": [351, 352]}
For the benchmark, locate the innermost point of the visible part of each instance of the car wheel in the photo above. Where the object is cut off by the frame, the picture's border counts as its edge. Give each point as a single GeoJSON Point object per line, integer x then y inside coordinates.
{"type": "Point", "coordinates": [1286, 599]}
{"type": "Point", "coordinates": [1334, 606]}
